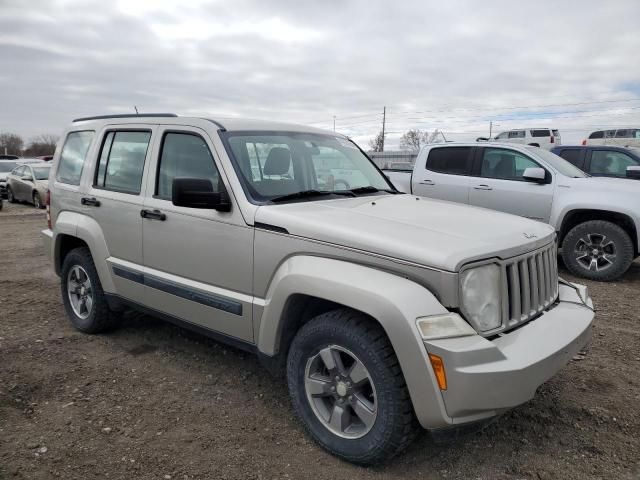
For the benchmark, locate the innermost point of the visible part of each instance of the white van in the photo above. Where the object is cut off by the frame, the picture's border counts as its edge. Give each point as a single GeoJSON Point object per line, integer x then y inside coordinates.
{"type": "Point", "coordinates": [538, 137]}
{"type": "Point", "coordinates": [623, 137]}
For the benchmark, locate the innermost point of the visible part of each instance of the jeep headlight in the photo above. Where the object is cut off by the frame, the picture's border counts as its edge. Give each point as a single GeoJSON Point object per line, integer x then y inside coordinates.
{"type": "Point", "coordinates": [480, 296]}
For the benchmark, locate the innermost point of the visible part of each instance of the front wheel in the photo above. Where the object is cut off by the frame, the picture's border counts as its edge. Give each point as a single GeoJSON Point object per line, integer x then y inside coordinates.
{"type": "Point", "coordinates": [348, 389]}
{"type": "Point", "coordinates": [597, 250]}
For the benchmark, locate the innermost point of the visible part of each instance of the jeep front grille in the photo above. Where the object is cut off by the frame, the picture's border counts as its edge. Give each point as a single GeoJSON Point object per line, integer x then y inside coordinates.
{"type": "Point", "coordinates": [531, 285]}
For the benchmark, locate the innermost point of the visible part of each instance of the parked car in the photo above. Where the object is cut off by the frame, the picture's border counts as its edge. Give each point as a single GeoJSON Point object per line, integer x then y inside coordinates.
{"type": "Point", "coordinates": [28, 183]}
{"type": "Point", "coordinates": [380, 308]}
{"type": "Point", "coordinates": [603, 160]}
{"type": "Point", "coordinates": [597, 219]}
{"type": "Point", "coordinates": [623, 137]}
{"type": "Point", "coordinates": [537, 137]}
{"type": "Point", "coordinates": [5, 169]}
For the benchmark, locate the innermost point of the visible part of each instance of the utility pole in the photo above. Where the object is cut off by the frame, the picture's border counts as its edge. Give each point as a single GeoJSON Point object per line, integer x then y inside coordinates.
{"type": "Point", "coordinates": [490, 129]}
{"type": "Point", "coordinates": [384, 121]}
{"type": "Point", "coordinates": [334, 123]}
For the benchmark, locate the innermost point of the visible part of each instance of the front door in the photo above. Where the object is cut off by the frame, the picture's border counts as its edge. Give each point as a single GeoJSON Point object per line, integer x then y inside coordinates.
{"type": "Point", "coordinates": [499, 185]}
{"type": "Point", "coordinates": [198, 262]}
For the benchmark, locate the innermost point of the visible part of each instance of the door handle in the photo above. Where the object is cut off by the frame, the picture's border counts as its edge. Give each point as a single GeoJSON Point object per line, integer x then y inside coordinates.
{"type": "Point", "coordinates": [427, 182]}
{"type": "Point", "coordinates": [90, 202]}
{"type": "Point", "coordinates": [153, 215]}
{"type": "Point", "coordinates": [483, 187]}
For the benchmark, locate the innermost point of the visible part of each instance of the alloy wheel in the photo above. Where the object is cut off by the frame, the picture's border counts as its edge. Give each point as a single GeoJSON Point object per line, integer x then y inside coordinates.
{"type": "Point", "coordinates": [595, 252]}
{"type": "Point", "coordinates": [80, 291]}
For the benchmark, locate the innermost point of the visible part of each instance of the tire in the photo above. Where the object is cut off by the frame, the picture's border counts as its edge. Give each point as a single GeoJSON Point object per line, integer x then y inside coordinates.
{"type": "Point", "coordinates": [534, 145]}
{"type": "Point", "coordinates": [597, 250]}
{"type": "Point", "coordinates": [37, 202]}
{"type": "Point", "coordinates": [10, 197]}
{"type": "Point", "coordinates": [97, 317]}
{"type": "Point", "coordinates": [357, 338]}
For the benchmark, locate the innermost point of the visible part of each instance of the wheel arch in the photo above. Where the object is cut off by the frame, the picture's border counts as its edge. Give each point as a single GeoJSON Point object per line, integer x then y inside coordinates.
{"type": "Point", "coordinates": [578, 216]}
{"type": "Point", "coordinates": [305, 286]}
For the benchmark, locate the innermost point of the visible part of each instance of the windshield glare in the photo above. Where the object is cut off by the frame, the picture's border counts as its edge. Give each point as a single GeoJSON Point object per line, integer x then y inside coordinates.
{"type": "Point", "coordinates": [560, 164]}
{"type": "Point", "coordinates": [41, 173]}
{"type": "Point", "coordinates": [274, 164]}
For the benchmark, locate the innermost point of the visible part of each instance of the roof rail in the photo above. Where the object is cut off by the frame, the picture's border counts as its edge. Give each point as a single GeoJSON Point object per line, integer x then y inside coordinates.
{"type": "Point", "coordinates": [126, 115]}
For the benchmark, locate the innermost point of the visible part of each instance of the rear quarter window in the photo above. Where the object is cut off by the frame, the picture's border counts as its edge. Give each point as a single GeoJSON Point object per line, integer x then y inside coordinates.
{"type": "Point", "coordinates": [451, 160]}
{"type": "Point", "coordinates": [73, 156]}
{"type": "Point", "coordinates": [540, 133]}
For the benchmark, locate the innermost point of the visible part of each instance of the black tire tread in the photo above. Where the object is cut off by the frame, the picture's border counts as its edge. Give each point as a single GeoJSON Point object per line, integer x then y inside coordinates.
{"type": "Point", "coordinates": [370, 333]}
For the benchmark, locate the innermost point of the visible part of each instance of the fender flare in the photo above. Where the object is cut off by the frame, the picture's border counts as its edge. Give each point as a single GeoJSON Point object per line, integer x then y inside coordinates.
{"type": "Point", "coordinates": [393, 301]}
{"type": "Point", "coordinates": [89, 231]}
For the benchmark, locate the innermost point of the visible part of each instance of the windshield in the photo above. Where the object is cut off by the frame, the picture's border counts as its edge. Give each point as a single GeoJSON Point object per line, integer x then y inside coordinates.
{"type": "Point", "coordinates": [41, 173]}
{"type": "Point", "coordinates": [559, 164]}
{"type": "Point", "coordinates": [272, 165]}
{"type": "Point", "coordinates": [7, 166]}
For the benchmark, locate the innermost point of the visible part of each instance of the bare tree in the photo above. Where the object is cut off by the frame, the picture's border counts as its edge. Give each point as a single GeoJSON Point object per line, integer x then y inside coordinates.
{"type": "Point", "coordinates": [11, 143]}
{"type": "Point", "coordinates": [41, 145]}
{"type": "Point", "coordinates": [413, 140]}
{"type": "Point", "coordinates": [377, 142]}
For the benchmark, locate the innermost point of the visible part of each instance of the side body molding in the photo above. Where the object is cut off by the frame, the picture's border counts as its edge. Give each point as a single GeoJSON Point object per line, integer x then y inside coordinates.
{"type": "Point", "coordinates": [88, 230]}
{"type": "Point", "coordinates": [395, 302]}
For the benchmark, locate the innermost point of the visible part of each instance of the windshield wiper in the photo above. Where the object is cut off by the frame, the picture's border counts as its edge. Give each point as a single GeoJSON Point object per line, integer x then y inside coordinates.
{"type": "Point", "coordinates": [302, 194]}
{"type": "Point", "coordinates": [370, 189]}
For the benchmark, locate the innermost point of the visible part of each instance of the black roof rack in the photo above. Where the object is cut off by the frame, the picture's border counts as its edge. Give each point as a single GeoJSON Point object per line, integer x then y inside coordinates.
{"type": "Point", "coordinates": [126, 115]}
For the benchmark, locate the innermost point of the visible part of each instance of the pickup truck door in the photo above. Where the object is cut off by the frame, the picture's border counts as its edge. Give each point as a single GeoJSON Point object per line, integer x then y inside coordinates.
{"type": "Point", "coordinates": [499, 185]}
{"type": "Point", "coordinates": [444, 174]}
{"type": "Point", "coordinates": [198, 262]}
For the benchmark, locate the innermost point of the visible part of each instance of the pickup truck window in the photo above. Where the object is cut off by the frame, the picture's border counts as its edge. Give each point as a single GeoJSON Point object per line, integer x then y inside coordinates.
{"type": "Point", "coordinates": [122, 161]}
{"type": "Point", "coordinates": [505, 164]}
{"type": "Point", "coordinates": [184, 155]}
{"type": "Point", "coordinates": [72, 157]}
{"type": "Point", "coordinates": [572, 155]}
{"type": "Point", "coordinates": [614, 163]}
{"type": "Point", "coordinates": [277, 164]}
{"type": "Point", "coordinates": [450, 160]}
{"type": "Point", "coordinates": [560, 164]}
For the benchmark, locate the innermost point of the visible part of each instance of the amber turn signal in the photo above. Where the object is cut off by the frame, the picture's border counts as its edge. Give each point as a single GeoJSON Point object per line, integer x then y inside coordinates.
{"type": "Point", "coordinates": [438, 369]}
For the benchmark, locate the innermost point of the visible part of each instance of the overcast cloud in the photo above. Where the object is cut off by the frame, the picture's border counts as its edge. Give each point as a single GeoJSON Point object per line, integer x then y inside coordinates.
{"type": "Point", "coordinates": [452, 65]}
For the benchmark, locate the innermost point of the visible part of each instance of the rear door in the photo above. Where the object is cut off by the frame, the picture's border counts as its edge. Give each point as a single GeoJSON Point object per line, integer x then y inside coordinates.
{"type": "Point", "coordinates": [115, 199]}
{"type": "Point", "coordinates": [499, 184]}
{"type": "Point", "coordinates": [445, 174]}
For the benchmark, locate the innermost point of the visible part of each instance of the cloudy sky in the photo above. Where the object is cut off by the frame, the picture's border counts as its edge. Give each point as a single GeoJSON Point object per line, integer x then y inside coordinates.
{"type": "Point", "coordinates": [451, 65]}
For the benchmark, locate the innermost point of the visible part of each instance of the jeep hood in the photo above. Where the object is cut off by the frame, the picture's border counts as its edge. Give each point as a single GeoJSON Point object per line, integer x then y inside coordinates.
{"type": "Point", "coordinates": [428, 232]}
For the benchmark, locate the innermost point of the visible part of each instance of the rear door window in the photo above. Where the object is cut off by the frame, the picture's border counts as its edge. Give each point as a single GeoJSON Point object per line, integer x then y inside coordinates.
{"type": "Point", "coordinates": [122, 161]}
{"type": "Point", "coordinates": [505, 164]}
{"type": "Point", "coordinates": [73, 156]}
{"type": "Point", "coordinates": [450, 160]}
{"type": "Point", "coordinates": [573, 156]}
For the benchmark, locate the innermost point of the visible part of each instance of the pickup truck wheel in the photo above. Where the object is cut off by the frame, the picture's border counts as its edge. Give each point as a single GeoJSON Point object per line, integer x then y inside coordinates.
{"type": "Point", "coordinates": [347, 387]}
{"type": "Point", "coordinates": [597, 250]}
{"type": "Point", "coordinates": [82, 293]}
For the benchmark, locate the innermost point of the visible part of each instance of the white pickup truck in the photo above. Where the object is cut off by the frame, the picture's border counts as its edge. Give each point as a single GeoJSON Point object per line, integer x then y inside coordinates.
{"type": "Point", "coordinates": [597, 219]}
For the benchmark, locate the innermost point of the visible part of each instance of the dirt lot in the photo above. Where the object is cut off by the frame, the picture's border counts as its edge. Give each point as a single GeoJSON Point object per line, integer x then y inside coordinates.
{"type": "Point", "coordinates": [153, 401]}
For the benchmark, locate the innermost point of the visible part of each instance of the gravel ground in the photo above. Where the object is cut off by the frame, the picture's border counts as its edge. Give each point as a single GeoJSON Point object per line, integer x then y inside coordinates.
{"type": "Point", "coordinates": [152, 401]}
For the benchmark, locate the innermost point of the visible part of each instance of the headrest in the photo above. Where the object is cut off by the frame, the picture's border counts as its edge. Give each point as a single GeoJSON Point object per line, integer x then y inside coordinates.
{"type": "Point", "coordinates": [278, 161]}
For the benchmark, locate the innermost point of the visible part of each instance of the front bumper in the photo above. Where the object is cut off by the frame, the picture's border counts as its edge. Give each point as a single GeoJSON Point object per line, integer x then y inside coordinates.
{"type": "Point", "coordinates": [486, 377]}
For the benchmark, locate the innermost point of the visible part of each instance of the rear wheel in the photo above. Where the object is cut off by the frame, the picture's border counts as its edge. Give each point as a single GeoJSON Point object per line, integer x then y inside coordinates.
{"type": "Point", "coordinates": [597, 250]}
{"type": "Point", "coordinates": [82, 294]}
{"type": "Point", "coordinates": [10, 197]}
{"type": "Point", "coordinates": [534, 145]}
{"type": "Point", "coordinates": [347, 387]}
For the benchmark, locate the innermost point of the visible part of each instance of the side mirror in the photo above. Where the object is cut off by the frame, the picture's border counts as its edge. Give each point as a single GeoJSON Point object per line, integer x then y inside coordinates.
{"type": "Point", "coordinates": [535, 174]}
{"type": "Point", "coordinates": [633, 172]}
{"type": "Point", "coordinates": [198, 193]}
